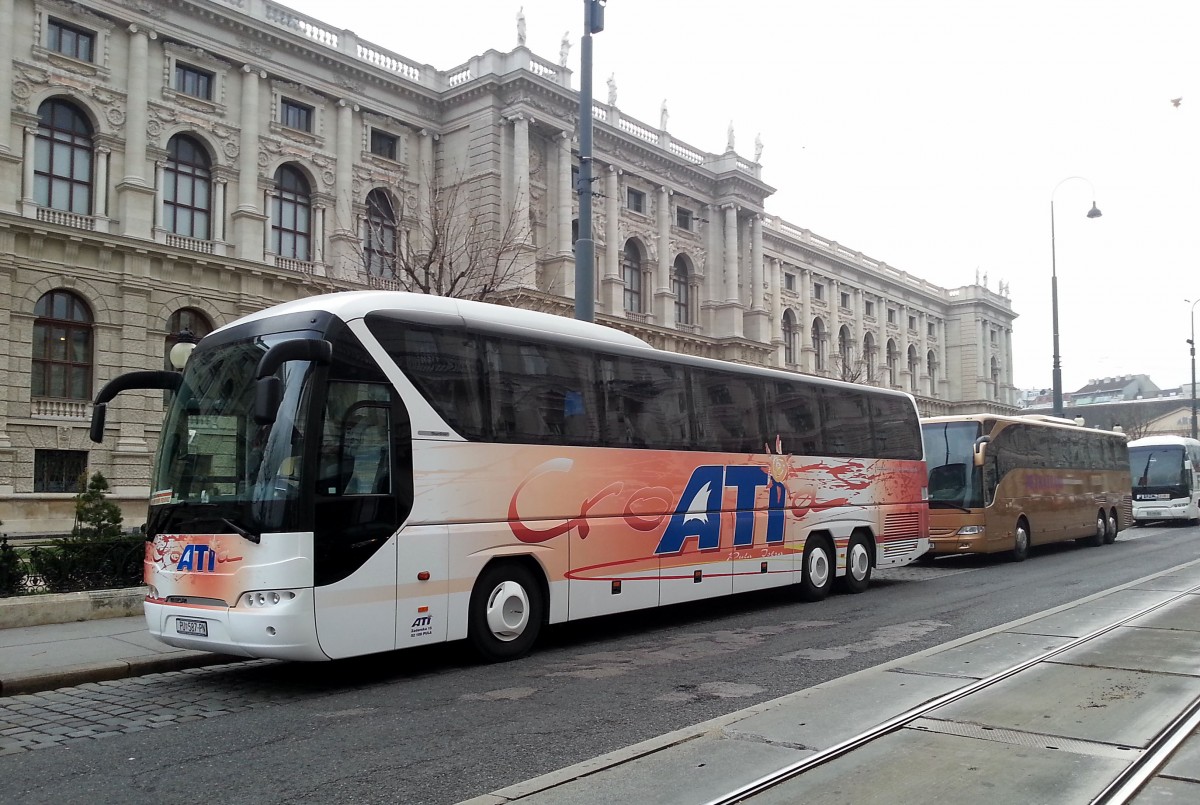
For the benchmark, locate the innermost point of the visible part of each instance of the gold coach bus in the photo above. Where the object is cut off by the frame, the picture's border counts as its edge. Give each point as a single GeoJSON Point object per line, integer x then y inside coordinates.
{"type": "Point", "coordinates": [1000, 483]}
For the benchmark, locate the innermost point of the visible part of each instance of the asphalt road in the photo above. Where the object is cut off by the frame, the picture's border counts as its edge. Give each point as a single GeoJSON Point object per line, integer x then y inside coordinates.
{"type": "Point", "coordinates": [431, 726]}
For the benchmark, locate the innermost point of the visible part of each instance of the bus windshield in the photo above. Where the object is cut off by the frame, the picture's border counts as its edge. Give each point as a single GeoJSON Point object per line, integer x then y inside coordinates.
{"type": "Point", "coordinates": [215, 456]}
{"type": "Point", "coordinates": [954, 480]}
{"type": "Point", "coordinates": [1157, 466]}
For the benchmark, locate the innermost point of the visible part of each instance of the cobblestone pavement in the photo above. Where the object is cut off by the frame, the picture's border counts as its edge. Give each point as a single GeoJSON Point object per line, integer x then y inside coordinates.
{"type": "Point", "coordinates": [106, 709]}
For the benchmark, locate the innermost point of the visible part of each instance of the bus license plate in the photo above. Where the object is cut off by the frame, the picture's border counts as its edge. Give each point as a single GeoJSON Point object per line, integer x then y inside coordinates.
{"type": "Point", "coordinates": [192, 627]}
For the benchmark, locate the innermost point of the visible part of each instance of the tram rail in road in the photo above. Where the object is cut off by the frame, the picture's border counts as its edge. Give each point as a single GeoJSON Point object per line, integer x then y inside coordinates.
{"type": "Point", "coordinates": [1145, 763]}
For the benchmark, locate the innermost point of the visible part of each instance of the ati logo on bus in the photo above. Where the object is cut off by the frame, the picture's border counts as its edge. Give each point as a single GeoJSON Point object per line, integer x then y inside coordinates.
{"type": "Point", "coordinates": [696, 514]}
{"type": "Point", "coordinates": [198, 559]}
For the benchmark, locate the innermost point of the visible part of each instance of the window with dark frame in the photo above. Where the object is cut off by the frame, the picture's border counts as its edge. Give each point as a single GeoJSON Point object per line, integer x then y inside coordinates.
{"type": "Point", "coordinates": [631, 273]}
{"type": "Point", "coordinates": [384, 144]}
{"type": "Point", "coordinates": [62, 163]}
{"type": "Point", "coordinates": [70, 40]}
{"type": "Point", "coordinates": [295, 115]}
{"type": "Point", "coordinates": [789, 282]}
{"type": "Point", "coordinates": [818, 291]}
{"type": "Point", "coordinates": [62, 348]}
{"type": "Point", "coordinates": [684, 218]}
{"type": "Point", "coordinates": [379, 245]}
{"type": "Point", "coordinates": [891, 315]}
{"type": "Point", "coordinates": [187, 188]}
{"type": "Point", "coordinates": [845, 301]}
{"type": "Point", "coordinates": [868, 308]}
{"type": "Point", "coordinates": [291, 214]}
{"type": "Point", "coordinates": [682, 289]}
{"type": "Point", "coordinates": [193, 81]}
{"type": "Point", "coordinates": [635, 200]}
{"type": "Point", "coordinates": [56, 471]}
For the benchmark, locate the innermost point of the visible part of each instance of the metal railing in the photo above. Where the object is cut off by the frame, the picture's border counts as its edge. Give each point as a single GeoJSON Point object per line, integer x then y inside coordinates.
{"type": "Point", "coordinates": [71, 565]}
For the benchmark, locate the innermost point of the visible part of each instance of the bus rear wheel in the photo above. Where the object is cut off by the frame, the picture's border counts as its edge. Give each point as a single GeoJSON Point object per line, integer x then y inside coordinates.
{"type": "Point", "coordinates": [1020, 549]}
{"type": "Point", "coordinates": [1097, 539]}
{"type": "Point", "coordinates": [506, 613]}
{"type": "Point", "coordinates": [858, 565]}
{"type": "Point", "coordinates": [816, 573]}
{"type": "Point", "coordinates": [1110, 534]}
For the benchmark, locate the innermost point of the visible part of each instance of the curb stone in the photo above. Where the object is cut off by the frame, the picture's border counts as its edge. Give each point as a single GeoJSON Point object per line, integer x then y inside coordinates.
{"type": "Point", "coordinates": [49, 608]}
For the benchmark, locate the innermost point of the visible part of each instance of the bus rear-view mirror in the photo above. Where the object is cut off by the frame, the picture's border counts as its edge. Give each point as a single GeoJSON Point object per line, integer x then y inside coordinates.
{"type": "Point", "coordinates": [99, 412]}
{"type": "Point", "coordinates": [978, 450]}
{"type": "Point", "coordinates": [268, 395]}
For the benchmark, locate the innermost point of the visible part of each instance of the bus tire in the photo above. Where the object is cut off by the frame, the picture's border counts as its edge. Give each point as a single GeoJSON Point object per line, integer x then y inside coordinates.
{"type": "Point", "coordinates": [1020, 550]}
{"type": "Point", "coordinates": [1097, 539]}
{"type": "Point", "coordinates": [506, 612]}
{"type": "Point", "coordinates": [858, 564]}
{"type": "Point", "coordinates": [816, 573]}
{"type": "Point", "coordinates": [1110, 535]}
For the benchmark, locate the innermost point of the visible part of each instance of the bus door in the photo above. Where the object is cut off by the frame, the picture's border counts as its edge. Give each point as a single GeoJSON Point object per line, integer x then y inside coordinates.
{"type": "Point", "coordinates": [363, 491]}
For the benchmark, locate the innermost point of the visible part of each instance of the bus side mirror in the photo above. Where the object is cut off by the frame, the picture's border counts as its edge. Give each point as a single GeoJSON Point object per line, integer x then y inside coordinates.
{"type": "Point", "coordinates": [99, 412]}
{"type": "Point", "coordinates": [268, 396]}
{"type": "Point", "coordinates": [978, 450]}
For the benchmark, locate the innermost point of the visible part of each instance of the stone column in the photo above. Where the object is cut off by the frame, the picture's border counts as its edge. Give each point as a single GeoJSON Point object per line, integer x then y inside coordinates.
{"type": "Point", "coordinates": [100, 200]}
{"type": "Point", "coordinates": [612, 291]}
{"type": "Point", "coordinates": [774, 281]}
{"type": "Point", "coordinates": [714, 292]}
{"type": "Point", "coordinates": [729, 311]}
{"type": "Point", "coordinates": [664, 299]}
{"type": "Point", "coordinates": [835, 322]}
{"type": "Point", "coordinates": [564, 282]}
{"type": "Point", "coordinates": [757, 321]}
{"type": "Point", "coordinates": [942, 353]}
{"type": "Point", "coordinates": [856, 302]}
{"type": "Point", "coordinates": [345, 246]}
{"type": "Point", "coordinates": [160, 172]}
{"type": "Point", "coordinates": [134, 193]}
{"type": "Point", "coordinates": [1006, 366]}
{"type": "Point", "coordinates": [249, 219]}
{"type": "Point", "coordinates": [424, 190]}
{"type": "Point", "coordinates": [905, 373]}
{"type": "Point", "coordinates": [525, 270]}
{"type": "Point", "coordinates": [923, 355]}
{"type": "Point", "coordinates": [804, 343]}
{"type": "Point", "coordinates": [6, 58]}
{"type": "Point", "coordinates": [982, 366]}
{"type": "Point", "coordinates": [218, 215]}
{"type": "Point", "coordinates": [30, 149]}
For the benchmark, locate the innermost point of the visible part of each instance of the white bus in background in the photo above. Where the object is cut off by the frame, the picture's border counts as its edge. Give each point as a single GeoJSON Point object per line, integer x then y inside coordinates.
{"type": "Point", "coordinates": [1166, 478]}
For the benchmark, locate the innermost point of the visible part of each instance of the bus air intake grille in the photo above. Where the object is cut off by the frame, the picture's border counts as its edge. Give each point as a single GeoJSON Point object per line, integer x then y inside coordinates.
{"type": "Point", "coordinates": [902, 526]}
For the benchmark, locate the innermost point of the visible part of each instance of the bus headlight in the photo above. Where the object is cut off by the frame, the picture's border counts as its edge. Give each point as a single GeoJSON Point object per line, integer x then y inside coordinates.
{"type": "Point", "coordinates": [970, 530]}
{"type": "Point", "coordinates": [259, 599]}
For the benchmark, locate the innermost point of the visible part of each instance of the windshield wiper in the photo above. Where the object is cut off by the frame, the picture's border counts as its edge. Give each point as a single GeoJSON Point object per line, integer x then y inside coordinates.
{"type": "Point", "coordinates": [255, 538]}
{"type": "Point", "coordinates": [947, 504]}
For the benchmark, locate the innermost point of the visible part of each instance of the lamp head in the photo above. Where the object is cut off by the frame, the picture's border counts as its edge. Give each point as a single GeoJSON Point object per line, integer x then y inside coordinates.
{"type": "Point", "coordinates": [1094, 212]}
{"type": "Point", "coordinates": [181, 350]}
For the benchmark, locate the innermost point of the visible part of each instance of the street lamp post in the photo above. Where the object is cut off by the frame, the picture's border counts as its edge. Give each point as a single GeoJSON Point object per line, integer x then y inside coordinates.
{"type": "Point", "coordinates": [1192, 347]}
{"type": "Point", "coordinates": [1094, 212]}
{"type": "Point", "coordinates": [585, 246]}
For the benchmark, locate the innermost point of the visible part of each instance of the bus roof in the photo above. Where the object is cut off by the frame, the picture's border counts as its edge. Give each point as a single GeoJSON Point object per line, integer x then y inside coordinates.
{"type": "Point", "coordinates": [348, 305]}
{"type": "Point", "coordinates": [1034, 419]}
{"type": "Point", "coordinates": [1152, 441]}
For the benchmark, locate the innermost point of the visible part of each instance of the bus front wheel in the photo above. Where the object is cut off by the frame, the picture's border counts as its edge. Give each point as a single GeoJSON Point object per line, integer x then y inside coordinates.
{"type": "Point", "coordinates": [1020, 549]}
{"type": "Point", "coordinates": [816, 575]}
{"type": "Point", "coordinates": [507, 610]}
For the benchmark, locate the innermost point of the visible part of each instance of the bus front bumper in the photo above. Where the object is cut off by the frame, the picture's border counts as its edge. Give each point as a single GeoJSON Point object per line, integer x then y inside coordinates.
{"type": "Point", "coordinates": [286, 631]}
{"type": "Point", "coordinates": [947, 544]}
{"type": "Point", "coordinates": [1165, 511]}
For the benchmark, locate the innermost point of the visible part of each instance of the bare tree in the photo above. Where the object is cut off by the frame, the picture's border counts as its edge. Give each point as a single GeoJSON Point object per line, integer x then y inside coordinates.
{"type": "Point", "coordinates": [852, 369]}
{"type": "Point", "coordinates": [460, 247]}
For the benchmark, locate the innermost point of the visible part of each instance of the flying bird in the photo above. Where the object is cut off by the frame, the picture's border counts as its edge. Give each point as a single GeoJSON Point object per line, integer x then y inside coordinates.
{"type": "Point", "coordinates": [1176, 101]}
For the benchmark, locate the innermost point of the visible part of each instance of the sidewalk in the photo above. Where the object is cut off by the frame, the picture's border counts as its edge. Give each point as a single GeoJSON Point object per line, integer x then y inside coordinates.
{"type": "Point", "coordinates": [56, 655]}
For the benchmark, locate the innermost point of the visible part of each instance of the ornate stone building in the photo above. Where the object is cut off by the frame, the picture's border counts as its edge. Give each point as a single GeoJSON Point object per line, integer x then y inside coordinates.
{"type": "Point", "coordinates": [171, 165]}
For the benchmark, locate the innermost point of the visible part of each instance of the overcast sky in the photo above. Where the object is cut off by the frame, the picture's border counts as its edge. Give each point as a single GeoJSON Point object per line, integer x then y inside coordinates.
{"type": "Point", "coordinates": [929, 134]}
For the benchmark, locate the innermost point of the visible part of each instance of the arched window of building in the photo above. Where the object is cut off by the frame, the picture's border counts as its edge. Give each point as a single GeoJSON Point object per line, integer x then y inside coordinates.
{"type": "Point", "coordinates": [63, 156]}
{"type": "Point", "coordinates": [291, 214]}
{"type": "Point", "coordinates": [680, 277]}
{"type": "Point", "coordinates": [186, 325]}
{"type": "Point", "coordinates": [818, 343]}
{"type": "Point", "coordinates": [62, 347]}
{"type": "Point", "coordinates": [187, 188]}
{"type": "Point", "coordinates": [790, 332]}
{"type": "Point", "coordinates": [846, 352]}
{"type": "Point", "coordinates": [869, 356]}
{"type": "Point", "coordinates": [381, 239]}
{"type": "Point", "coordinates": [893, 360]}
{"type": "Point", "coordinates": [631, 273]}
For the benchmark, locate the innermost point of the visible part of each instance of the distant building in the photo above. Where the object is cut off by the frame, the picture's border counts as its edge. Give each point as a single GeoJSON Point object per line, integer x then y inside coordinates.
{"type": "Point", "coordinates": [1114, 389]}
